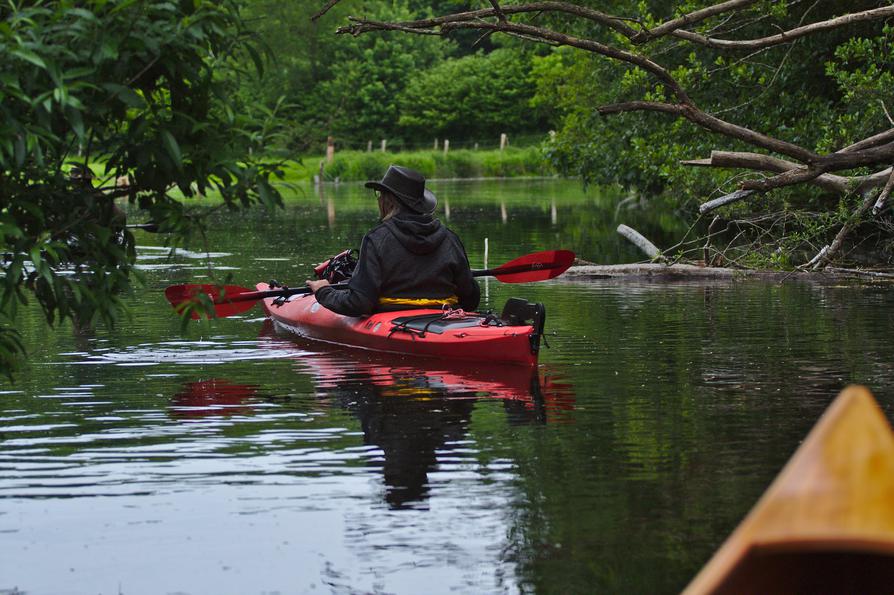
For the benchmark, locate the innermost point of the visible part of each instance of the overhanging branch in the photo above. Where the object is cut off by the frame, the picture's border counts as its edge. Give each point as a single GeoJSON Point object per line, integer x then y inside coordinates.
{"type": "Point", "coordinates": [786, 36]}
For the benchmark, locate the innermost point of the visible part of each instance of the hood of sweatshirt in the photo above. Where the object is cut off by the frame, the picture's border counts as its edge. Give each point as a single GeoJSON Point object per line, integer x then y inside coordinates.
{"type": "Point", "coordinates": [420, 234]}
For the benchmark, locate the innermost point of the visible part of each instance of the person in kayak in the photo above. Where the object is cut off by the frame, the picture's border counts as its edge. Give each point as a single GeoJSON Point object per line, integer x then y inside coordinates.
{"type": "Point", "coordinates": [408, 261]}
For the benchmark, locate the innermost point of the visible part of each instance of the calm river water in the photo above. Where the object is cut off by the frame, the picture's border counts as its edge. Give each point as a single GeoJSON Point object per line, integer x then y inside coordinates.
{"type": "Point", "coordinates": [231, 460]}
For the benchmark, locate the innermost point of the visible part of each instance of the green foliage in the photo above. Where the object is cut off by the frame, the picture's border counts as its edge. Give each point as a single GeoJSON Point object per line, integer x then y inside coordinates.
{"type": "Point", "coordinates": [786, 93]}
{"type": "Point", "coordinates": [477, 96]}
{"type": "Point", "coordinates": [511, 162]}
{"type": "Point", "coordinates": [863, 71]}
{"type": "Point", "coordinates": [11, 349]}
{"type": "Point", "coordinates": [344, 86]}
{"type": "Point", "coordinates": [138, 91]}
{"type": "Point", "coordinates": [389, 85]}
{"type": "Point", "coordinates": [822, 92]}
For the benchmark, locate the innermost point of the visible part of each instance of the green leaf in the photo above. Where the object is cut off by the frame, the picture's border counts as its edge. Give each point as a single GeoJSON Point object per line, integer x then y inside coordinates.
{"type": "Point", "coordinates": [20, 152]}
{"type": "Point", "coordinates": [76, 121]}
{"type": "Point", "coordinates": [80, 12]}
{"type": "Point", "coordinates": [256, 58]}
{"type": "Point", "coordinates": [29, 56]}
{"type": "Point", "coordinates": [171, 146]}
{"type": "Point", "coordinates": [79, 72]}
{"type": "Point", "coordinates": [125, 94]}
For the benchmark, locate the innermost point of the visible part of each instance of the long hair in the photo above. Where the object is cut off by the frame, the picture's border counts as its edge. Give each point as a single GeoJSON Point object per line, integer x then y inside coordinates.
{"type": "Point", "coordinates": [389, 206]}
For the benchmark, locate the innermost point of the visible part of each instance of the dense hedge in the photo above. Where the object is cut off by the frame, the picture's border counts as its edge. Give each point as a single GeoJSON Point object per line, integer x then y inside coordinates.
{"type": "Point", "coordinates": [511, 162]}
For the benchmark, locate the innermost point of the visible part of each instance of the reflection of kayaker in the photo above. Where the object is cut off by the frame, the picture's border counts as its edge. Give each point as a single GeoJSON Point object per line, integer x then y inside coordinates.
{"type": "Point", "coordinates": [410, 431]}
{"type": "Point", "coordinates": [409, 261]}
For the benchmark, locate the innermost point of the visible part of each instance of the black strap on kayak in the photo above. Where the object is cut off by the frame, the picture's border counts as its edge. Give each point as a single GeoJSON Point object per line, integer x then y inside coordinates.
{"type": "Point", "coordinates": [274, 284]}
{"type": "Point", "coordinates": [437, 323]}
{"type": "Point", "coordinates": [404, 325]}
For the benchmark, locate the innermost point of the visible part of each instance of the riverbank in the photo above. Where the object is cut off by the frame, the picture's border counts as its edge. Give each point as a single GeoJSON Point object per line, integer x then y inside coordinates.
{"type": "Point", "coordinates": [689, 272]}
{"type": "Point", "coordinates": [350, 166]}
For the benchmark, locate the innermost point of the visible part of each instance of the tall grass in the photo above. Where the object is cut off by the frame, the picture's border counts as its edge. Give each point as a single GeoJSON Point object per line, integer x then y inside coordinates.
{"type": "Point", "coordinates": [511, 162]}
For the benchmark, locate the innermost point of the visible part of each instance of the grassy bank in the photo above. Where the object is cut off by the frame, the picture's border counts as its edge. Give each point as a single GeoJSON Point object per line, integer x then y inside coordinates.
{"type": "Point", "coordinates": [360, 165]}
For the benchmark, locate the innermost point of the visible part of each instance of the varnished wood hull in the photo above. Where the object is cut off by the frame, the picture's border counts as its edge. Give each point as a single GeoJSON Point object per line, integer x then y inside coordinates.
{"type": "Point", "coordinates": [826, 524]}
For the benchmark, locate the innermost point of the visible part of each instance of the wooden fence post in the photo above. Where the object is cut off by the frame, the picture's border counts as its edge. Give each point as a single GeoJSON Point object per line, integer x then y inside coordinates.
{"type": "Point", "coordinates": [330, 149]}
{"type": "Point", "coordinates": [384, 144]}
{"type": "Point", "coordinates": [446, 146]}
{"type": "Point", "coordinates": [504, 141]}
{"type": "Point", "coordinates": [436, 145]}
{"type": "Point", "coordinates": [369, 146]}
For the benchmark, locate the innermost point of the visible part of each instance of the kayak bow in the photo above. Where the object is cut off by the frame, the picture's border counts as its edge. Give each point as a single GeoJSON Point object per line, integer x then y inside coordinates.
{"type": "Point", "coordinates": [826, 524]}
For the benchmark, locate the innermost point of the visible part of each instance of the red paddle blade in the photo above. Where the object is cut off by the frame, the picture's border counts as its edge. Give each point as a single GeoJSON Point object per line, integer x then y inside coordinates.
{"type": "Point", "coordinates": [538, 266]}
{"type": "Point", "coordinates": [200, 301]}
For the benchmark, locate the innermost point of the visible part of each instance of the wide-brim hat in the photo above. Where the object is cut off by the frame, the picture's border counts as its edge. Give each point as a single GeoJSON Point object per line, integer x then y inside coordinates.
{"type": "Point", "coordinates": [408, 186]}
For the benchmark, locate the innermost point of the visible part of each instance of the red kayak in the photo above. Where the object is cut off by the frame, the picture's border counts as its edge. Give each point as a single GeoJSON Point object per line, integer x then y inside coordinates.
{"type": "Point", "coordinates": [513, 338]}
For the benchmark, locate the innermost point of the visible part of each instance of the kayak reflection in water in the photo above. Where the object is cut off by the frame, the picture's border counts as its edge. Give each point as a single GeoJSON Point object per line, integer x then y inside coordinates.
{"type": "Point", "coordinates": [410, 260]}
{"type": "Point", "coordinates": [418, 409]}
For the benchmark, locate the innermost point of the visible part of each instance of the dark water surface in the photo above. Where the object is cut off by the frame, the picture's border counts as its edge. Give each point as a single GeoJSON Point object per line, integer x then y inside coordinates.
{"type": "Point", "coordinates": [230, 460]}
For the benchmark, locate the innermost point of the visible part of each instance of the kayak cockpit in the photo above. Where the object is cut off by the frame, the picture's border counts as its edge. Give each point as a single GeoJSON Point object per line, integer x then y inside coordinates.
{"type": "Point", "coordinates": [768, 570]}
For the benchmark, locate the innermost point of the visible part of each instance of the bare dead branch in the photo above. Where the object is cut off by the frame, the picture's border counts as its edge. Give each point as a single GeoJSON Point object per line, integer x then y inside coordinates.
{"type": "Point", "coordinates": [611, 21]}
{"type": "Point", "coordinates": [361, 26]}
{"type": "Point", "coordinates": [639, 106]}
{"type": "Point", "coordinates": [690, 19]}
{"type": "Point", "coordinates": [851, 159]}
{"type": "Point", "coordinates": [760, 162]}
{"type": "Point", "coordinates": [672, 27]}
{"type": "Point", "coordinates": [886, 192]}
{"type": "Point", "coordinates": [860, 273]}
{"type": "Point", "coordinates": [832, 162]}
{"type": "Point", "coordinates": [727, 199]}
{"type": "Point", "coordinates": [499, 12]}
{"type": "Point", "coordinates": [640, 241]}
{"type": "Point", "coordinates": [596, 16]}
{"type": "Point", "coordinates": [887, 113]}
{"type": "Point", "coordinates": [714, 124]}
{"type": "Point", "coordinates": [799, 175]}
{"type": "Point", "coordinates": [786, 36]}
{"type": "Point", "coordinates": [873, 141]}
{"type": "Point", "coordinates": [685, 106]}
{"type": "Point", "coordinates": [324, 10]}
{"type": "Point", "coordinates": [828, 253]}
